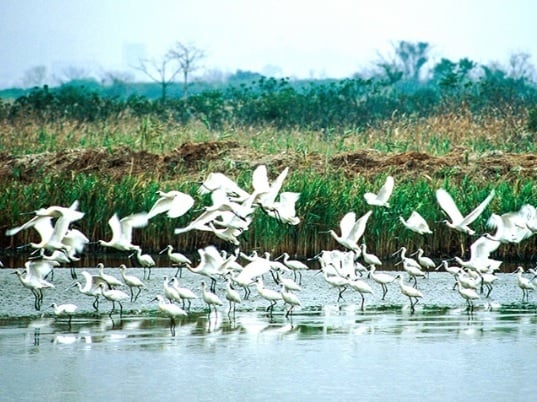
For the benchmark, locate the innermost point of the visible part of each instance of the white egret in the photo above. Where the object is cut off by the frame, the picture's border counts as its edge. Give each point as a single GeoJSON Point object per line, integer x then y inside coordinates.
{"type": "Point", "coordinates": [35, 283]}
{"type": "Point", "coordinates": [416, 223]}
{"type": "Point", "coordinates": [122, 231]}
{"type": "Point", "coordinates": [210, 261]}
{"type": "Point", "coordinates": [361, 287]}
{"type": "Point", "coordinates": [170, 292]}
{"type": "Point", "coordinates": [51, 236]}
{"type": "Point", "coordinates": [480, 251]}
{"type": "Point", "coordinates": [289, 298]}
{"type": "Point", "coordinates": [144, 260]}
{"type": "Point", "coordinates": [468, 294]}
{"type": "Point", "coordinates": [524, 284]}
{"type": "Point", "coordinates": [177, 259]}
{"type": "Point", "coordinates": [111, 280]}
{"type": "Point", "coordinates": [132, 282]}
{"type": "Point", "coordinates": [369, 258]}
{"type": "Point", "coordinates": [287, 282]}
{"type": "Point", "coordinates": [232, 296]}
{"type": "Point", "coordinates": [266, 192]}
{"type": "Point", "coordinates": [171, 310]}
{"type": "Point", "coordinates": [173, 203]}
{"type": "Point", "coordinates": [270, 295]}
{"type": "Point", "coordinates": [381, 198]}
{"type": "Point", "coordinates": [336, 281]}
{"type": "Point", "coordinates": [114, 295]}
{"type": "Point", "coordinates": [67, 309]}
{"type": "Point", "coordinates": [487, 280]}
{"type": "Point", "coordinates": [91, 287]}
{"type": "Point", "coordinates": [294, 265]}
{"type": "Point", "coordinates": [412, 293]}
{"type": "Point", "coordinates": [511, 227]}
{"type": "Point", "coordinates": [185, 294]}
{"type": "Point", "coordinates": [209, 297]}
{"type": "Point", "coordinates": [381, 278]}
{"type": "Point", "coordinates": [458, 221]}
{"type": "Point", "coordinates": [425, 262]}
{"type": "Point", "coordinates": [284, 210]}
{"type": "Point", "coordinates": [219, 181]}
{"type": "Point", "coordinates": [351, 230]}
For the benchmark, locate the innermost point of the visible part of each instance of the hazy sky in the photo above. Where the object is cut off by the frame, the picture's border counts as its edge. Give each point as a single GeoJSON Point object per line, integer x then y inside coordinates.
{"type": "Point", "coordinates": [304, 38]}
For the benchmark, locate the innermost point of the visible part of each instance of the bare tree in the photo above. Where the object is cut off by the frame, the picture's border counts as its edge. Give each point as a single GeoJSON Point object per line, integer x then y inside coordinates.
{"type": "Point", "coordinates": [520, 66]}
{"type": "Point", "coordinates": [34, 77]}
{"type": "Point", "coordinates": [188, 58]}
{"type": "Point", "coordinates": [407, 62]}
{"type": "Point", "coordinates": [162, 71]}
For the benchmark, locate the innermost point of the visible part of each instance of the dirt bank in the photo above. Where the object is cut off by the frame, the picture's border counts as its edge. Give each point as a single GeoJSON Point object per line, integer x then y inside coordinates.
{"type": "Point", "coordinates": [193, 160]}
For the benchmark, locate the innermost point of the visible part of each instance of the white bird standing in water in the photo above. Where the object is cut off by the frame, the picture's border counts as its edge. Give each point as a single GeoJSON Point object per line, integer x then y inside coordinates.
{"type": "Point", "coordinates": [114, 295]}
{"type": "Point", "coordinates": [416, 223]}
{"type": "Point", "coordinates": [232, 296]}
{"type": "Point", "coordinates": [268, 294]}
{"type": "Point", "coordinates": [210, 298]}
{"type": "Point", "coordinates": [524, 284]}
{"type": "Point", "coordinates": [111, 280]}
{"type": "Point", "coordinates": [145, 260]}
{"type": "Point", "coordinates": [289, 298]}
{"type": "Point", "coordinates": [412, 293]}
{"type": "Point", "coordinates": [381, 198]}
{"type": "Point", "coordinates": [361, 287]}
{"type": "Point", "coordinates": [64, 310]}
{"type": "Point", "coordinates": [425, 262]}
{"type": "Point", "coordinates": [177, 259]}
{"type": "Point", "coordinates": [185, 294]}
{"type": "Point", "coordinates": [294, 265]}
{"type": "Point", "coordinates": [459, 222]}
{"type": "Point", "coordinates": [171, 310]}
{"type": "Point", "coordinates": [369, 258]}
{"type": "Point", "coordinates": [468, 294]}
{"type": "Point", "coordinates": [382, 279]}
{"type": "Point", "coordinates": [132, 282]}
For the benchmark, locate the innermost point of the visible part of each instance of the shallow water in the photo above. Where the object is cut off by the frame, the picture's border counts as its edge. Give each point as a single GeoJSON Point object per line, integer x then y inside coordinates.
{"type": "Point", "coordinates": [324, 351]}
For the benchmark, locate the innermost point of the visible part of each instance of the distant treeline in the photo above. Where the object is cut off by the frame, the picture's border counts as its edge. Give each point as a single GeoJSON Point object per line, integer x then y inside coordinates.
{"type": "Point", "coordinates": [249, 99]}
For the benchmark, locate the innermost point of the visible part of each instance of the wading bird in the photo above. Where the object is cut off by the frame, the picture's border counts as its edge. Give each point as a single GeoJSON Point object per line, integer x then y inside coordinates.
{"type": "Point", "coordinates": [177, 259]}
{"type": "Point", "coordinates": [173, 203]}
{"type": "Point", "coordinates": [65, 310]}
{"type": "Point", "coordinates": [457, 220]}
{"type": "Point", "coordinates": [412, 293]}
{"type": "Point", "coordinates": [232, 296]}
{"type": "Point", "coordinates": [114, 295]}
{"type": "Point", "coordinates": [144, 260]}
{"type": "Point", "coordinates": [171, 310]}
{"type": "Point", "coordinates": [416, 223]}
{"type": "Point", "coordinates": [210, 298]}
{"type": "Point", "coordinates": [351, 230]}
{"type": "Point", "coordinates": [122, 231]}
{"type": "Point", "coordinates": [382, 279]}
{"type": "Point", "coordinates": [381, 198]}
{"type": "Point", "coordinates": [270, 295]}
{"type": "Point", "coordinates": [132, 282]}
{"type": "Point", "coordinates": [185, 294]}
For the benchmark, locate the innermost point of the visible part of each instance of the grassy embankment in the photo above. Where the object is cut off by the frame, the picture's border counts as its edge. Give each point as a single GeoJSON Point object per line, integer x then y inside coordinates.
{"type": "Point", "coordinates": [327, 192]}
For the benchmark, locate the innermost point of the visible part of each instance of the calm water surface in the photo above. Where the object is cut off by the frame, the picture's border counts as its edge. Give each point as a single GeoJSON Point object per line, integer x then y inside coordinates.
{"type": "Point", "coordinates": [325, 351]}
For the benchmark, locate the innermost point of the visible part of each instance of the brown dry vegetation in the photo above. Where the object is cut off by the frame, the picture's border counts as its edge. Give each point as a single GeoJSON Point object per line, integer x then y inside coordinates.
{"type": "Point", "coordinates": [192, 160]}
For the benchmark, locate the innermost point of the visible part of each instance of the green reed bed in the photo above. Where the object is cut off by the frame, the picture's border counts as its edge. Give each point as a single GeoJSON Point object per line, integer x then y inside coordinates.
{"type": "Point", "coordinates": [324, 199]}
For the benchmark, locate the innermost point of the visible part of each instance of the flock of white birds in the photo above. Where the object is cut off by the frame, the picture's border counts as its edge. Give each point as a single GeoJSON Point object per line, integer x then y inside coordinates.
{"type": "Point", "coordinates": [230, 215]}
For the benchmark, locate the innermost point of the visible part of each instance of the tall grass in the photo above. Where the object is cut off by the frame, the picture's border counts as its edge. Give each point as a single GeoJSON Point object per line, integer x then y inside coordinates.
{"type": "Point", "coordinates": [324, 199]}
{"type": "Point", "coordinates": [326, 195]}
{"type": "Point", "coordinates": [436, 135]}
